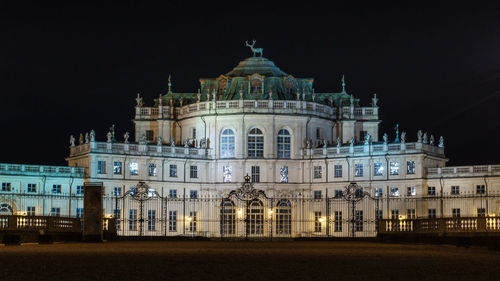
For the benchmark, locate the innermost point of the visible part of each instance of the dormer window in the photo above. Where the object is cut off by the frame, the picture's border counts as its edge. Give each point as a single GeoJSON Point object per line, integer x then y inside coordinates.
{"type": "Point", "coordinates": [256, 85]}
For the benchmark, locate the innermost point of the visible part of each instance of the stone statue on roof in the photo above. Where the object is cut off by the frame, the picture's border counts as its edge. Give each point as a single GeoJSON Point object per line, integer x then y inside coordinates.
{"type": "Point", "coordinates": [126, 136]}
{"type": "Point", "coordinates": [374, 100]}
{"type": "Point", "coordinates": [143, 139]}
{"type": "Point", "coordinates": [255, 50]}
{"type": "Point", "coordinates": [109, 135]}
{"type": "Point", "coordinates": [351, 142]}
{"type": "Point", "coordinates": [87, 137]}
{"type": "Point", "coordinates": [419, 136]}
{"type": "Point", "coordinates": [386, 138]}
{"type": "Point", "coordinates": [339, 142]}
{"type": "Point", "coordinates": [424, 138]}
{"type": "Point", "coordinates": [159, 140]}
{"type": "Point", "coordinates": [72, 140]}
{"type": "Point", "coordinates": [367, 139]}
{"type": "Point", "coordinates": [80, 139]}
{"type": "Point", "coordinates": [441, 141]}
{"type": "Point", "coordinates": [92, 135]}
{"type": "Point", "coordinates": [431, 140]}
{"type": "Point", "coordinates": [172, 141]}
{"type": "Point", "coordinates": [138, 100]}
{"type": "Point", "coordinates": [403, 137]}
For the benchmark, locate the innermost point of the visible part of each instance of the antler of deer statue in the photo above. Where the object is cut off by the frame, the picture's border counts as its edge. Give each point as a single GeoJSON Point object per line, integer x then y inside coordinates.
{"type": "Point", "coordinates": [255, 50]}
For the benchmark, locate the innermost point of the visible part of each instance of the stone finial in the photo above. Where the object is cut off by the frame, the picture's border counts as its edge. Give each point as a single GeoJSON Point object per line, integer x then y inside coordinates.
{"type": "Point", "coordinates": [419, 136]}
{"type": "Point", "coordinates": [125, 137]}
{"type": "Point", "coordinates": [424, 138]}
{"type": "Point", "coordinates": [71, 140]}
{"type": "Point", "coordinates": [80, 139]}
{"type": "Point", "coordinates": [343, 83]}
{"type": "Point", "coordinates": [397, 133]}
{"type": "Point", "coordinates": [270, 94]}
{"type": "Point", "coordinates": [169, 84]}
{"type": "Point", "coordinates": [374, 100]}
{"type": "Point", "coordinates": [441, 141]}
{"type": "Point", "coordinates": [92, 135]}
{"type": "Point", "coordinates": [431, 140]}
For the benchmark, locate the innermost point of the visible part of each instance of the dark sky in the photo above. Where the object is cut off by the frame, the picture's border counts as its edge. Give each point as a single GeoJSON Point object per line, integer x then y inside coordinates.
{"type": "Point", "coordinates": [68, 68]}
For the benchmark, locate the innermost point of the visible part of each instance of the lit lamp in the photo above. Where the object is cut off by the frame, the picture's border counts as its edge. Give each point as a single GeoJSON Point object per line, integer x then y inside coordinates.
{"type": "Point", "coordinates": [240, 213]}
{"type": "Point", "coordinates": [322, 219]}
{"type": "Point", "coordinates": [189, 219]}
{"type": "Point", "coordinates": [270, 212]}
{"type": "Point", "coordinates": [401, 217]}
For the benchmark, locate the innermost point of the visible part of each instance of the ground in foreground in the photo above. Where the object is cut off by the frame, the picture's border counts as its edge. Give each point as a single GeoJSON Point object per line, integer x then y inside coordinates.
{"type": "Point", "coordinates": [207, 260]}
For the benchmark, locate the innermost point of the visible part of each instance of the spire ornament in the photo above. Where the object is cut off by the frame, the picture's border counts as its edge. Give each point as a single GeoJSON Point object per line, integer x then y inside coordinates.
{"type": "Point", "coordinates": [169, 84]}
{"type": "Point", "coordinates": [343, 83]}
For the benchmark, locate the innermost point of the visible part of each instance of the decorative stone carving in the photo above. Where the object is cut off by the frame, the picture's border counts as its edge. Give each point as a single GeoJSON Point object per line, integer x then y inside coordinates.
{"type": "Point", "coordinates": [159, 140]}
{"type": "Point", "coordinates": [198, 96]}
{"type": "Point", "coordinates": [92, 135]}
{"type": "Point", "coordinates": [397, 132]}
{"type": "Point", "coordinates": [441, 141]}
{"type": "Point", "coordinates": [367, 139]}
{"type": "Point", "coordinates": [298, 95]}
{"type": "Point", "coordinates": [87, 138]}
{"type": "Point", "coordinates": [403, 137]}
{"type": "Point", "coordinates": [351, 142]}
{"type": "Point", "coordinates": [138, 100]}
{"type": "Point", "coordinates": [186, 142]}
{"type": "Point", "coordinates": [80, 139]}
{"type": "Point", "coordinates": [72, 140]}
{"type": "Point", "coordinates": [339, 142]}
{"type": "Point", "coordinates": [424, 138]}
{"type": "Point", "coordinates": [419, 136]}
{"type": "Point", "coordinates": [143, 139]}
{"type": "Point", "coordinates": [109, 136]}
{"type": "Point", "coordinates": [172, 142]}
{"type": "Point", "coordinates": [386, 138]}
{"type": "Point", "coordinates": [431, 140]}
{"type": "Point", "coordinates": [126, 136]}
{"type": "Point", "coordinates": [374, 100]}
{"type": "Point", "coordinates": [325, 143]}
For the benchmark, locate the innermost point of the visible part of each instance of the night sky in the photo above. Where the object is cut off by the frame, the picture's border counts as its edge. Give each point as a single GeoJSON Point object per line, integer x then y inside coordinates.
{"type": "Point", "coordinates": [69, 68]}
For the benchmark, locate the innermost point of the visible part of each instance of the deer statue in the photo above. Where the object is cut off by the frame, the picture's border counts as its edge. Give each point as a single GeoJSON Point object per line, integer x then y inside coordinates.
{"type": "Point", "coordinates": [255, 50]}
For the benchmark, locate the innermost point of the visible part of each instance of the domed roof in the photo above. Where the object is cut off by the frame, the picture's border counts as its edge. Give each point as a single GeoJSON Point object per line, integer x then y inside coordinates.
{"type": "Point", "coordinates": [258, 65]}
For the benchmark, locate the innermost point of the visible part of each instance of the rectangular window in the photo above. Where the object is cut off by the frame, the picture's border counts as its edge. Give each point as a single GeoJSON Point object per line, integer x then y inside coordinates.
{"type": "Point", "coordinates": [172, 220]}
{"type": "Point", "coordinates": [79, 212]}
{"type": "Point", "coordinates": [317, 221]}
{"type": "Point", "coordinates": [150, 136]}
{"type": "Point", "coordinates": [431, 190]}
{"type": "Point", "coordinates": [117, 214]}
{"type": "Point", "coordinates": [395, 191]}
{"type": "Point", "coordinates": [6, 186]}
{"type": "Point", "coordinates": [152, 170]}
{"type": "Point", "coordinates": [227, 177]}
{"type": "Point", "coordinates": [193, 172]}
{"type": "Point", "coordinates": [284, 174]}
{"type": "Point", "coordinates": [30, 211]}
{"type": "Point", "coordinates": [193, 194]}
{"type": "Point", "coordinates": [411, 191]}
{"type": "Point", "coordinates": [152, 192]}
{"type": "Point", "coordinates": [117, 168]}
{"type": "Point", "coordinates": [317, 194]}
{"type": "Point", "coordinates": [173, 171]}
{"type": "Point", "coordinates": [394, 214]}
{"type": "Point", "coordinates": [192, 221]}
{"type": "Point", "coordinates": [55, 212]}
{"type": "Point", "coordinates": [378, 169]}
{"type": "Point", "coordinates": [379, 215]}
{"type": "Point", "coordinates": [359, 220]}
{"type": "Point", "coordinates": [431, 213]}
{"type": "Point", "coordinates": [172, 193]}
{"type": "Point", "coordinates": [362, 135]}
{"type": "Point", "coordinates": [337, 221]}
{"type": "Point", "coordinates": [338, 171]}
{"type": "Point", "coordinates": [394, 168]}
{"type": "Point", "coordinates": [101, 167]}
{"type": "Point", "coordinates": [132, 217]}
{"type": "Point", "coordinates": [255, 173]}
{"type": "Point", "coordinates": [117, 191]}
{"type": "Point", "coordinates": [455, 190]}
{"type": "Point", "coordinates": [134, 168]}
{"type": "Point", "coordinates": [56, 188]}
{"type": "Point", "coordinates": [193, 133]}
{"type": "Point", "coordinates": [481, 212]}
{"type": "Point", "coordinates": [480, 189]}
{"type": "Point", "coordinates": [358, 170]}
{"type": "Point", "coordinates": [410, 167]}
{"type": "Point", "coordinates": [378, 192]}
{"type": "Point", "coordinates": [133, 191]}
{"type": "Point", "coordinates": [455, 213]}
{"type": "Point", "coordinates": [410, 214]}
{"type": "Point", "coordinates": [79, 189]}
{"type": "Point", "coordinates": [31, 187]}
{"type": "Point", "coordinates": [151, 220]}
{"type": "Point", "coordinates": [358, 193]}
{"type": "Point", "coordinates": [317, 172]}
{"type": "Point", "coordinates": [318, 133]}
{"type": "Point", "coordinates": [339, 193]}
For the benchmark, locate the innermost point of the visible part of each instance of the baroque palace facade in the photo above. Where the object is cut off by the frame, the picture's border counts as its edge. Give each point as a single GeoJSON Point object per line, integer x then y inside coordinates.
{"type": "Point", "coordinates": [315, 162]}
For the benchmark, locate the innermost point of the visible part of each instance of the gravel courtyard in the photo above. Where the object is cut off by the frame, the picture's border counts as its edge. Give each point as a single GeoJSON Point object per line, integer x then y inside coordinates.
{"type": "Point", "coordinates": [208, 260]}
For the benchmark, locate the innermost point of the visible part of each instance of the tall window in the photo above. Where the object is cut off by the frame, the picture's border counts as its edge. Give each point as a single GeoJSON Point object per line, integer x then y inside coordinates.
{"type": "Point", "coordinates": [283, 144]}
{"type": "Point", "coordinates": [172, 220]}
{"type": "Point", "coordinates": [56, 188]}
{"type": "Point", "coordinates": [193, 194]}
{"type": "Point", "coordinates": [132, 216]}
{"type": "Point", "coordinates": [79, 212]}
{"type": "Point", "coordinates": [284, 174]}
{"type": "Point", "coordinates": [172, 193]}
{"type": "Point", "coordinates": [152, 169]}
{"type": "Point", "coordinates": [284, 217]}
{"type": "Point", "coordinates": [134, 168]}
{"type": "Point", "coordinates": [55, 212]}
{"type": "Point", "coordinates": [117, 167]}
{"type": "Point", "coordinates": [411, 191]}
{"type": "Point", "coordinates": [117, 191]}
{"type": "Point", "coordinates": [228, 217]}
{"type": "Point", "coordinates": [378, 169]}
{"type": "Point", "coordinates": [431, 190]}
{"type": "Point", "coordinates": [79, 189]}
{"type": "Point", "coordinates": [193, 133]}
{"type": "Point", "coordinates": [101, 167]}
{"type": "Point", "coordinates": [359, 220]}
{"type": "Point", "coordinates": [193, 172]}
{"type": "Point", "coordinates": [31, 187]}
{"type": "Point", "coordinates": [150, 135]}
{"type": "Point", "coordinates": [318, 133]}
{"type": "Point", "coordinates": [358, 172]}
{"type": "Point", "coordinates": [481, 212]}
{"type": "Point", "coordinates": [395, 191]}
{"type": "Point", "coordinates": [338, 171]}
{"type": "Point", "coordinates": [317, 172]}
{"type": "Point", "coordinates": [255, 173]}
{"type": "Point", "coordinates": [338, 221]}
{"type": "Point", "coordinates": [480, 189]}
{"type": "Point", "coordinates": [379, 214]}
{"type": "Point", "coordinates": [455, 213]}
{"type": "Point", "coordinates": [455, 189]}
{"type": "Point", "coordinates": [256, 86]}
{"type": "Point", "coordinates": [317, 221]}
{"type": "Point", "coordinates": [173, 171]}
{"type": "Point", "coordinates": [410, 167]}
{"type": "Point", "coordinates": [227, 174]}
{"type": "Point", "coordinates": [410, 214]}
{"type": "Point", "coordinates": [431, 213]}
{"type": "Point", "coordinates": [117, 213]}
{"type": "Point", "coordinates": [192, 221]}
{"type": "Point", "coordinates": [31, 211]}
{"type": "Point", "coordinates": [255, 143]}
{"type": "Point", "coordinates": [338, 193]}
{"type": "Point", "coordinates": [394, 214]}
{"type": "Point", "coordinates": [256, 217]}
{"type": "Point", "coordinates": [227, 144]}
{"type": "Point", "coordinates": [378, 192]}
{"type": "Point", "coordinates": [394, 168]}
{"type": "Point", "coordinates": [317, 194]}
{"type": "Point", "coordinates": [151, 220]}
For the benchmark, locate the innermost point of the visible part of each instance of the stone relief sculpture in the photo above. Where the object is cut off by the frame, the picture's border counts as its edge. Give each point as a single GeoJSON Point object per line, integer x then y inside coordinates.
{"type": "Point", "coordinates": [72, 140]}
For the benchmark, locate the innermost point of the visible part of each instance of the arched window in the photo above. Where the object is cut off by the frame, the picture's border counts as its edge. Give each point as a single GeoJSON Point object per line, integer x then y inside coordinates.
{"type": "Point", "coordinates": [284, 217]}
{"type": "Point", "coordinates": [256, 217]}
{"type": "Point", "coordinates": [256, 86]}
{"type": "Point", "coordinates": [227, 144]}
{"type": "Point", "coordinates": [289, 85]}
{"type": "Point", "coordinates": [227, 217]}
{"type": "Point", "coordinates": [283, 144]}
{"type": "Point", "coordinates": [255, 143]}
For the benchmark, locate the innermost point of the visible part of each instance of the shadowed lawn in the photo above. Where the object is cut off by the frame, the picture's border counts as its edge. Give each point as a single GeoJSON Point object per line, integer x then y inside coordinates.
{"type": "Point", "coordinates": [206, 260]}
